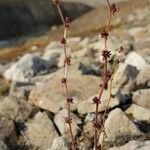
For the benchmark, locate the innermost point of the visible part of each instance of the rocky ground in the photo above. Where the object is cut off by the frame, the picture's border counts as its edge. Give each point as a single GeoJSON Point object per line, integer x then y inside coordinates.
{"type": "Point", "coordinates": [32, 99]}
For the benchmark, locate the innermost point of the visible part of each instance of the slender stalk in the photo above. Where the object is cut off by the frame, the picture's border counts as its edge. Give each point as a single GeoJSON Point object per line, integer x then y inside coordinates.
{"type": "Point", "coordinates": [67, 62]}
{"type": "Point", "coordinates": [106, 54]}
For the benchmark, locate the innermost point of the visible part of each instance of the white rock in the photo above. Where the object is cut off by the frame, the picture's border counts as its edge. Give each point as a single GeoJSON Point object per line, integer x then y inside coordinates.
{"type": "Point", "coordinates": [87, 106]}
{"type": "Point", "coordinates": [139, 113]}
{"type": "Point", "coordinates": [59, 144]}
{"type": "Point", "coordinates": [142, 98]}
{"type": "Point", "coordinates": [51, 95]}
{"type": "Point", "coordinates": [134, 59]}
{"type": "Point", "coordinates": [143, 78]}
{"type": "Point", "coordinates": [59, 120]}
{"type": "Point", "coordinates": [52, 57]}
{"type": "Point", "coordinates": [3, 146]}
{"type": "Point", "coordinates": [53, 45]}
{"type": "Point", "coordinates": [118, 124]}
{"type": "Point", "coordinates": [28, 66]}
{"type": "Point", "coordinates": [16, 109]}
{"type": "Point", "coordinates": [40, 131]}
{"type": "Point", "coordinates": [134, 145]}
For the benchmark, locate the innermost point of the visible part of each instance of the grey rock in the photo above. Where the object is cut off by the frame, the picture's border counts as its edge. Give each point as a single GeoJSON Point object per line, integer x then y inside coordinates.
{"type": "Point", "coordinates": [59, 144]}
{"type": "Point", "coordinates": [40, 131]}
{"type": "Point", "coordinates": [3, 146]}
{"type": "Point", "coordinates": [52, 57]}
{"type": "Point", "coordinates": [50, 94]}
{"type": "Point", "coordinates": [118, 124]}
{"type": "Point", "coordinates": [134, 145]}
{"type": "Point", "coordinates": [87, 106]}
{"type": "Point", "coordinates": [59, 120]}
{"type": "Point", "coordinates": [14, 108]}
{"type": "Point", "coordinates": [21, 89]}
{"type": "Point", "coordinates": [134, 59]}
{"type": "Point", "coordinates": [142, 97]}
{"type": "Point", "coordinates": [139, 113]}
{"type": "Point", "coordinates": [28, 66]}
{"type": "Point", "coordinates": [143, 78]}
{"type": "Point", "coordinates": [7, 130]}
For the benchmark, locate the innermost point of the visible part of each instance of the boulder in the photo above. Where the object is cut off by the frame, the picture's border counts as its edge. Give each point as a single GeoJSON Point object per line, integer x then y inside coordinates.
{"type": "Point", "coordinates": [134, 59]}
{"type": "Point", "coordinates": [143, 78]}
{"type": "Point", "coordinates": [50, 95]}
{"type": "Point", "coordinates": [40, 131]}
{"type": "Point", "coordinates": [14, 108]}
{"type": "Point", "coordinates": [87, 106]}
{"type": "Point", "coordinates": [3, 146]}
{"type": "Point", "coordinates": [142, 97]}
{"type": "Point", "coordinates": [139, 113]}
{"type": "Point", "coordinates": [27, 67]}
{"type": "Point", "coordinates": [59, 144]}
{"type": "Point", "coordinates": [59, 120]}
{"type": "Point", "coordinates": [118, 124]}
{"type": "Point", "coordinates": [7, 130]}
{"type": "Point", "coordinates": [134, 145]}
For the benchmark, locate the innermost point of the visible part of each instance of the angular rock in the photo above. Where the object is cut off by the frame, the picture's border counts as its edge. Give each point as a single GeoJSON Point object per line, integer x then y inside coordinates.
{"type": "Point", "coordinates": [124, 78]}
{"type": "Point", "coordinates": [16, 109]}
{"type": "Point", "coordinates": [3, 146]}
{"type": "Point", "coordinates": [40, 131]}
{"type": "Point", "coordinates": [143, 78]}
{"type": "Point", "coordinates": [134, 59]}
{"type": "Point", "coordinates": [28, 66]}
{"type": "Point", "coordinates": [118, 124]}
{"type": "Point", "coordinates": [59, 144]}
{"type": "Point", "coordinates": [52, 57]}
{"type": "Point", "coordinates": [7, 130]}
{"type": "Point", "coordinates": [20, 89]}
{"type": "Point", "coordinates": [139, 113]}
{"type": "Point", "coordinates": [59, 120]}
{"type": "Point", "coordinates": [90, 67]}
{"type": "Point", "coordinates": [51, 95]}
{"type": "Point", "coordinates": [87, 106]}
{"type": "Point", "coordinates": [142, 98]}
{"type": "Point", "coordinates": [134, 145]}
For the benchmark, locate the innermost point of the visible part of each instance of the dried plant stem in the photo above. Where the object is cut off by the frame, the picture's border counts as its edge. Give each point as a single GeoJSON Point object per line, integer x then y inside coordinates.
{"type": "Point", "coordinates": [106, 54]}
{"type": "Point", "coordinates": [67, 62]}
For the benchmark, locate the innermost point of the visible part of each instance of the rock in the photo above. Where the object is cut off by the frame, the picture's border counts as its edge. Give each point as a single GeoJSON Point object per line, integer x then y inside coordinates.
{"type": "Point", "coordinates": [143, 78]}
{"type": "Point", "coordinates": [2, 69]}
{"type": "Point", "coordinates": [84, 42]}
{"type": "Point", "coordinates": [73, 41]}
{"type": "Point", "coordinates": [134, 59]}
{"type": "Point", "coordinates": [124, 78]}
{"type": "Point", "coordinates": [134, 145]}
{"type": "Point", "coordinates": [3, 146]}
{"type": "Point", "coordinates": [139, 113]}
{"type": "Point", "coordinates": [138, 33]}
{"type": "Point", "coordinates": [16, 109]}
{"type": "Point", "coordinates": [118, 124]}
{"type": "Point", "coordinates": [20, 89]}
{"type": "Point", "coordinates": [141, 97]}
{"type": "Point", "coordinates": [53, 45]}
{"type": "Point", "coordinates": [7, 130]}
{"type": "Point", "coordinates": [52, 57]}
{"type": "Point", "coordinates": [59, 120]}
{"type": "Point", "coordinates": [59, 144]}
{"type": "Point", "coordinates": [87, 106]}
{"type": "Point", "coordinates": [90, 67]}
{"type": "Point", "coordinates": [40, 131]}
{"type": "Point", "coordinates": [50, 95]}
{"type": "Point", "coordinates": [28, 66]}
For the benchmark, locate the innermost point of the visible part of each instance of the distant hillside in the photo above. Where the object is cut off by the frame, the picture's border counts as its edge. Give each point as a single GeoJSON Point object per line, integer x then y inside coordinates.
{"type": "Point", "coordinates": [19, 17]}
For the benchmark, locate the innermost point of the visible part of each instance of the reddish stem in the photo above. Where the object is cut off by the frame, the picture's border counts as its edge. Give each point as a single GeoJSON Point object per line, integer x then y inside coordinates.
{"type": "Point", "coordinates": [65, 81]}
